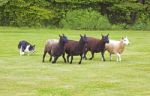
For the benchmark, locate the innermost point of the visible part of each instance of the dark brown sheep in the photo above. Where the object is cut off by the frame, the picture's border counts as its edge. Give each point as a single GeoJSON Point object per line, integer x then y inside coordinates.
{"type": "Point", "coordinates": [75, 48]}
{"type": "Point", "coordinates": [96, 45]}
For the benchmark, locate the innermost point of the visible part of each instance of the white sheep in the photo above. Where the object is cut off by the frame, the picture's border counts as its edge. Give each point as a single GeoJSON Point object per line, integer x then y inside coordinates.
{"type": "Point", "coordinates": [117, 47]}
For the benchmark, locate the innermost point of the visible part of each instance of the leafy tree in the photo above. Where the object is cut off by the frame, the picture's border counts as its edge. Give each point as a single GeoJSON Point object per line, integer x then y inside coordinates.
{"type": "Point", "coordinates": [25, 13]}
{"type": "Point", "coordinates": [52, 12]}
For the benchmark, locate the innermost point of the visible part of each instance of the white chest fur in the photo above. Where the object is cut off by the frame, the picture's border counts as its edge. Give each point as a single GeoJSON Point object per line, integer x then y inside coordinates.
{"type": "Point", "coordinates": [25, 51]}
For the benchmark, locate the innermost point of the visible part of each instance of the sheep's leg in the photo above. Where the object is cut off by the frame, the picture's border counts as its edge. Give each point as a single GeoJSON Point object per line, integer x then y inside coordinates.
{"type": "Point", "coordinates": [92, 55]}
{"type": "Point", "coordinates": [68, 58]}
{"type": "Point", "coordinates": [44, 55]}
{"type": "Point", "coordinates": [118, 57]}
{"type": "Point", "coordinates": [102, 53]}
{"type": "Point", "coordinates": [64, 57]}
{"type": "Point", "coordinates": [84, 55]}
{"type": "Point", "coordinates": [55, 59]}
{"type": "Point", "coordinates": [50, 58]}
{"type": "Point", "coordinates": [110, 56]}
{"type": "Point", "coordinates": [80, 59]}
{"type": "Point", "coordinates": [71, 59]}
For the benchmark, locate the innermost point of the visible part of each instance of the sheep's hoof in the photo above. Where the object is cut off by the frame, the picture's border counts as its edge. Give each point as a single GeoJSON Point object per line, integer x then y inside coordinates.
{"type": "Point", "coordinates": [65, 61]}
{"type": "Point", "coordinates": [90, 58]}
{"type": "Point", "coordinates": [53, 62]}
{"type": "Point", "coordinates": [85, 58]}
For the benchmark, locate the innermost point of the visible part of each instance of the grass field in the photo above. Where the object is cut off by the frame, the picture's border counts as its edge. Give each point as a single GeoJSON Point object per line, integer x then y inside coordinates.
{"type": "Point", "coordinates": [28, 76]}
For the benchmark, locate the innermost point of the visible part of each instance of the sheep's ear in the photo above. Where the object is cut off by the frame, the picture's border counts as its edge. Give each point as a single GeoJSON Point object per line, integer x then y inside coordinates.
{"type": "Point", "coordinates": [59, 35]}
{"type": "Point", "coordinates": [63, 35]}
{"type": "Point", "coordinates": [102, 35]}
{"type": "Point", "coordinates": [80, 35]}
{"type": "Point", "coordinates": [107, 34]}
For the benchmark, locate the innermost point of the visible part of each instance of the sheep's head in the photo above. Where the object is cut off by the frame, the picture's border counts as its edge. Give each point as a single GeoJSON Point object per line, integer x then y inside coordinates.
{"type": "Point", "coordinates": [125, 40]}
{"type": "Point", "coordinates": [105, 38]}
{"type": "Point", "coordinates": [83, 39]}
{"type": "Point", "coordinates": [63, 39]}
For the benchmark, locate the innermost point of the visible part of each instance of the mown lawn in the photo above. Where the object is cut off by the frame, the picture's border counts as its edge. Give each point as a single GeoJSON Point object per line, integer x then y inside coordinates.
{"type": "Point", "coordinates": [28, 76]}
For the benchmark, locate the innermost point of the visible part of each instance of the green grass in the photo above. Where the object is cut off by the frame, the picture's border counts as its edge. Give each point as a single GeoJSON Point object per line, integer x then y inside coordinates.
{"type": "Point", "coordinates": [28, 76]}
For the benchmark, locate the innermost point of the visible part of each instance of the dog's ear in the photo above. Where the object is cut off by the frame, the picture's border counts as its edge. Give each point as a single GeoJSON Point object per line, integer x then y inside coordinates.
{"type": "Point", "coordinates": [33, 45]}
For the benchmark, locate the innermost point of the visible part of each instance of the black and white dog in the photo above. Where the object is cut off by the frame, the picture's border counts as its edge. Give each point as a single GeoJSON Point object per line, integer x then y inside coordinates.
{"type": "Point", "coordinates": [25, 47]}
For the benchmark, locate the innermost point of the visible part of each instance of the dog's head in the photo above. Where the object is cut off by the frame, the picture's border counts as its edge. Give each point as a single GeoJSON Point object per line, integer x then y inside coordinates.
{"type": "Point", "coordinates": [32, 48]}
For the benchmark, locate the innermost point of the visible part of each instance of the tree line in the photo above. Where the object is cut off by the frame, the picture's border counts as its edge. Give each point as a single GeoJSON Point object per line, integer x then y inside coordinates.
{"type": "Point", "coordinates": [76, 14]}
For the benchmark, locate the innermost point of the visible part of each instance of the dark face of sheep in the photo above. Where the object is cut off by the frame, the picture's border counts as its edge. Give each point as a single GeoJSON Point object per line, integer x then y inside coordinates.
{"type": "Point", "coordinates": [83, 39]}
{"type": "Point", "coordinates": [63, 39]}
{"type": "Point", "coordinates": [105, 38]}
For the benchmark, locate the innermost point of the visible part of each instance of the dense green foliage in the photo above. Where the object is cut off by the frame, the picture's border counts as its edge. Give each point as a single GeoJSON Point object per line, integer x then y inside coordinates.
{"type": "Point", "coordinates": [133, 14]}
{"type": "Point", "coordinates": [85, 19]}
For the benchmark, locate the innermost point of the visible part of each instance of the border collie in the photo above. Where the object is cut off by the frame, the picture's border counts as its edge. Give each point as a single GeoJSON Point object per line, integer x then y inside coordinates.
{"type": "Point", "coordinates": [25, 47]}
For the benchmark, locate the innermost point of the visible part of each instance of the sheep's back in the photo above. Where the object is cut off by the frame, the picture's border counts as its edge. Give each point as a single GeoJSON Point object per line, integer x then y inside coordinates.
{"type": "Point", "coordinates": [49, 43]}
{"type": "Point", "coordinates": [112, 46]}
{"type": "Point", "coordinates": [92, 42]}
{"type": "Point", "coordinates": [71, 46]}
